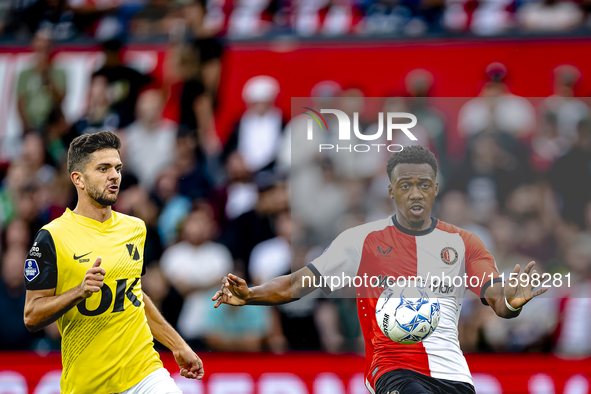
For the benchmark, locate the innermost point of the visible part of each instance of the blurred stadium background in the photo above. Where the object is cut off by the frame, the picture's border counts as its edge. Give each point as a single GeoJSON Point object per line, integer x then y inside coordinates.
{"type": "Point", "coordinates": [200, 93]}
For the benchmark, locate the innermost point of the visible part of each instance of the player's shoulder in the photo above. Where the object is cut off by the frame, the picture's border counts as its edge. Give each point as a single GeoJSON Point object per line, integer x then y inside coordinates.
{"type": "Point", "coordinates": [360, 232]}
{"type": "Point", "coordinates": [468, 237]}
{"type": "Point", "coordinates": [124, 219]}
{"type": "Point", "coordinates": [58, 224]}
{"type": "Point", "coordinates": [449, 228]}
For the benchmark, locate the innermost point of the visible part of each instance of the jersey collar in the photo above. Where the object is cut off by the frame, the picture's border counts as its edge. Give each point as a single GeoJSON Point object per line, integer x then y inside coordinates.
{"type": "Point", "coordinates": [405, 230]}
{"type": "Point", "coordinates": [91, 222]}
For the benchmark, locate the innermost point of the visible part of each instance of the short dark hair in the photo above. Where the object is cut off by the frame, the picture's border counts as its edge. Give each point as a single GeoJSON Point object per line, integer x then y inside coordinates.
{"type": "Point", "coordinates": [415, 154]}
{"type": "Point", "coordinates": [83, 146]}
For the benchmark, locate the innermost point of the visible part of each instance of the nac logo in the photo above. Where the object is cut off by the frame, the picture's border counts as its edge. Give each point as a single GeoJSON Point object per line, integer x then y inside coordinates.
{"type": "Point", "coordinates": [121, 292]}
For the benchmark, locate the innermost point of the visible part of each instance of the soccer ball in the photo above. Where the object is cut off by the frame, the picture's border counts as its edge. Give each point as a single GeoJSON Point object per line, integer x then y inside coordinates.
{"type": "Point", "coordinates": [406, 314]}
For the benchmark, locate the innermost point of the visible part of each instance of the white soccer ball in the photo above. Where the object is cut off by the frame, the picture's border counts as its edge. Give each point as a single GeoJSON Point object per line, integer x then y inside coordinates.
{"type": "Point", "coordinates": [408, 313]}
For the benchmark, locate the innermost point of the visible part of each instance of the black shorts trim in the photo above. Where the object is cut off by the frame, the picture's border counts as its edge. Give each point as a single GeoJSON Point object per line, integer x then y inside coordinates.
{"type": "Point", "coordinates": [404, 381]}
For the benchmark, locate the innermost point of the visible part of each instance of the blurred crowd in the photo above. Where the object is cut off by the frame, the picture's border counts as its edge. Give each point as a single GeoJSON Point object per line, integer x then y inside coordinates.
{"type": "Point", "coordinates": [259, 206]}
{"type": "Point", "coordinates": [143, 19]}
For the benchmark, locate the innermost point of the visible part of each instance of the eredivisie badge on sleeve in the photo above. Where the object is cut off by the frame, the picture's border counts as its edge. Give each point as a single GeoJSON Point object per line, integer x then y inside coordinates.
{"type": "Point", "coordinates": [31, 269]}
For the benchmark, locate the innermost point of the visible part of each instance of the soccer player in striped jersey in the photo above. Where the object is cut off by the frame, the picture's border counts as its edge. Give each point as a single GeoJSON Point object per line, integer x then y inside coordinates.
{"type": "Point", "coordinates": [410, 243]}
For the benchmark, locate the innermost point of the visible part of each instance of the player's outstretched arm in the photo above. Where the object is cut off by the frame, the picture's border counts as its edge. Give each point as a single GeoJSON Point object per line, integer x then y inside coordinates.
{"type": "Point", "coordinates": [280, 290]}
{"type": "Point", "coordinates": [189, 363]}
{"type": "Point", "coordinates": [42, 307]}
{"type": "Point", "coordinates": [507, 299]}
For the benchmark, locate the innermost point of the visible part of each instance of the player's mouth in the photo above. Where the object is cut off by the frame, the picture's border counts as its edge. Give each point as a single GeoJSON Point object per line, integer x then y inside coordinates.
{"type": "Point", "coordinates": [113, 188]}
{"type": "Point", "coordinates": [416, 210]}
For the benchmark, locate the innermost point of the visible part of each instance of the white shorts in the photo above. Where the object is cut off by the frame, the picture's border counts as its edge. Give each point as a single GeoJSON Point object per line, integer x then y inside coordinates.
{"type": "Point", "coordinates": [158, 382]}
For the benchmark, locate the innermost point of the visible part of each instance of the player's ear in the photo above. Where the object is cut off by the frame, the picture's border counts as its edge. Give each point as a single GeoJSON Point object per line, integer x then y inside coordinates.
{"type": "Point", "coordinates": [391, 191]}
{"type": "Point", "coordinates": [77, 179]}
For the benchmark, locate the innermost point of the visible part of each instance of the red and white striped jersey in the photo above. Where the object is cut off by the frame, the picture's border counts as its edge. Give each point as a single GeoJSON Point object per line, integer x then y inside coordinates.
{"type": "Point", "coordinates": [385, 248]}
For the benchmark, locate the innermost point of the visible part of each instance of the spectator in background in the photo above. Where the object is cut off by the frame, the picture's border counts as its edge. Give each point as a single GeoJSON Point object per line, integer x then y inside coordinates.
{"type": "Point", "coordinates": [576, 164]}
{"type": "Point", "coordinates": [272, 258]}
{"type": "Point", "coordinates": [173, 206]}
{"type": "Point", "coordinates": [196, 104]}
{"type": "Point", "coordinates": [195, 180]}
{"type": "Point", "coordinates": [497, 109]}
{"type": "Point", "coordinates": [257, 135]}
{"type": "Point", "coordinates": [257, 225]}
{"type": "Point", "coordinates": [549, 15]}
{"type": "Point", "coordinates": [491, 171]}
{"type": "Point", "coordinates": [237, 329]}
{"type": "Point", "coordinates": [575, 342]}
{"type": "Point", "coordinates": [17, 235]}
{"type": "Point", "coordinates": [150, 136]}
{"type": "Point", "coordinates": [419, 84]}
{"type": "Point", "coordinates": [386, 17]}
{"type": "Point", "coordinates": [34, 158]}
{"type": "Point", "coordinates": [239, 194]}
{"type": "Point", "coordinates": [42, 87]}
{"type": "Point", "coordinates": [203, 38]}
{"type": "Point", "coordinates": [156, 18]}
{"type": "Point", "coordinates": [13, 333]}
{"type": "Point", "coordinates": [28, 16]}
{"type": "Point", "coordinates": [57, 136]}
{"type": "Point", "coordinates": [123, 83]}
{"type": "Point", "coordinates": [99, 115]}
{"type": "Point", "coordinates": [23, 17]}
{"type": "Point", "coordinates": [454, 209]}
{"type": "Point", "coordinates": [374, 165]}
{"type": "Point", "coordinates": [299, 156]}
{"type": "Point", "coordinates": [506, 235]}
{"type": "Point", "coordinates": [559, 116]}
{"type": "Point", "coordinates": [194, 267]}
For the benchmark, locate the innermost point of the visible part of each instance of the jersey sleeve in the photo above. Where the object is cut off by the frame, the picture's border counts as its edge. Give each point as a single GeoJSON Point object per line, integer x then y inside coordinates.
{"type": "Point", "coordinates": [480, 264]}
{"type": "Point", "coordinates": [41, 263]}
{"type": "Point", "coordinates": [341, 258]}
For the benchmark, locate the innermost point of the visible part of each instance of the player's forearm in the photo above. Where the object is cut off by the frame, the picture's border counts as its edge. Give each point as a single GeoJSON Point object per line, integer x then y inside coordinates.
{"type": "Point", "coordinates": [161, 329]}
{"type": "Point", "coordinates": [42, 311]}
{"type": "Point", "coordinates": [273, 292]}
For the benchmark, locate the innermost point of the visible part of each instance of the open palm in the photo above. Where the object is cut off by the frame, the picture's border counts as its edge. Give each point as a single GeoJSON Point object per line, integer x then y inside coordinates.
{"type": "Point", "coordinates": [519, 288]}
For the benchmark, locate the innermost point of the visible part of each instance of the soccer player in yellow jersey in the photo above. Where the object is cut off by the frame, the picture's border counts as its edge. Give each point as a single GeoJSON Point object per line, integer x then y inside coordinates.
{"type": "Point", "coordinates": [84, 271]}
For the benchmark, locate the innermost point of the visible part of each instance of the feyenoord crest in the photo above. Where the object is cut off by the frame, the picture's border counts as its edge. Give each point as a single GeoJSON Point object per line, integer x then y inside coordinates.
{"type": "Point", "coordinates": [449, 255]}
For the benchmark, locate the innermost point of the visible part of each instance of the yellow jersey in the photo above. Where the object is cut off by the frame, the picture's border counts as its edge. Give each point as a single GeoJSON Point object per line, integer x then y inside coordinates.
{"type": "Point", "coordinates": [107, 345]}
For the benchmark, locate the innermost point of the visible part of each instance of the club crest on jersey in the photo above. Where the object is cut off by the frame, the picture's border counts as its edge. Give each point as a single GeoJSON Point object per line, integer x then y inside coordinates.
{"type": "Point", "coordinates": [384, 253]}
{"type": "Point", "coordinates": [449, 255]}
{"type": "Point", "coordinates": [31, 269]}
{"type": "Point", "coordinates": [133, 253]}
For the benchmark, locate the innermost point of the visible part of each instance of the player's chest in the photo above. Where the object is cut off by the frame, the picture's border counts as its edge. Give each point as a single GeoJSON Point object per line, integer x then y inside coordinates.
{"type": "Point", "coordinates": [395, 255]}
{"type": "Point", "coordinates": [121, 256]}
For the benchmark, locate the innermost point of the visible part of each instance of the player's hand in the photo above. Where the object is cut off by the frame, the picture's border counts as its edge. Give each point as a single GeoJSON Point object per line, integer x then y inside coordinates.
{"type": "Point", "coordinates": [190, 364]}
{"type": "Point", "coordinates": [93, 280]}
{"type": "Point", "coordinates": [234, 291]}
{"type": "Point", "coordinates": [519, 287]}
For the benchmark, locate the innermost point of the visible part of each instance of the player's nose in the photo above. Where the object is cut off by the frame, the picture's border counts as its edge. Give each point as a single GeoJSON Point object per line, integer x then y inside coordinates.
{"type": "Point", "coordinates": [415, 193]}
{"type": "Point", "coordinates": [114, 174]}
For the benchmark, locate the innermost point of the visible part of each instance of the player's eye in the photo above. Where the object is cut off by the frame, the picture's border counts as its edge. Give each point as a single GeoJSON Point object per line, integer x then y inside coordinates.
{"type": "Point", "coordinates": [102, 169]}
{"type": "Point", "coordinates": [405, 187]}
{"type": "Point", "coordinates": [425, 185]}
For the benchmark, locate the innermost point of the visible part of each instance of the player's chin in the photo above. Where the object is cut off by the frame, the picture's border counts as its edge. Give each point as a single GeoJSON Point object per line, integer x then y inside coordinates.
{"type": "Point", "coordinates": [417, 216]}
{"type": "Point", "coordinates": [107, 200]}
